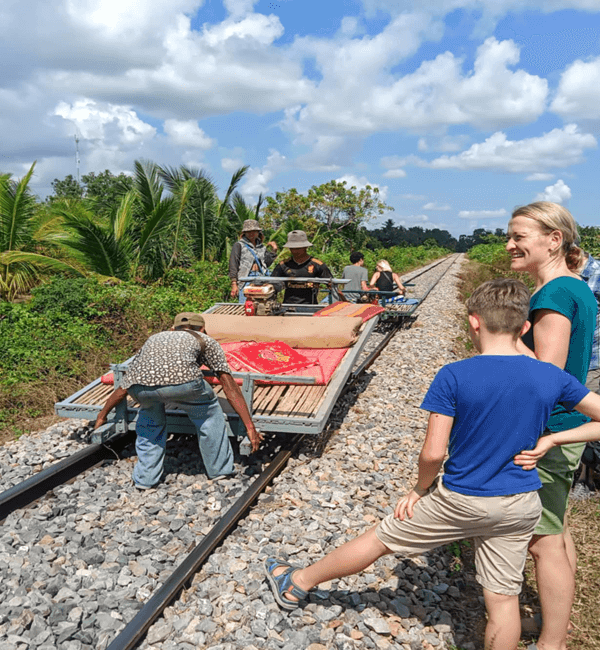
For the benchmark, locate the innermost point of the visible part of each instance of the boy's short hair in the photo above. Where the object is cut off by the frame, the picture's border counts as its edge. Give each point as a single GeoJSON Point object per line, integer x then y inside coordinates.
{"type": "Point", "coordinates": [503, 304]}
{"type": "Point", "coordinates": [356, 256]}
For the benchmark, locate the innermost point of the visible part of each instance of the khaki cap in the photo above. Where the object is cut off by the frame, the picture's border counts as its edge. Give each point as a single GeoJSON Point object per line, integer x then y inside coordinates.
{"type": "Point", "coordinates": [189, 318]}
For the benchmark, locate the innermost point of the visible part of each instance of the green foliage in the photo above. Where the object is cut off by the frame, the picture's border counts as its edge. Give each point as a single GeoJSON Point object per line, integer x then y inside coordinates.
{"type": "Point", "coordinates": [390, 235]}
{"type": "Point", "coordinates": [63, 298]}
{"type": "Point", "coordinates": [488, 253]}
{"type": "Point", "coordinates": [400, 259]}
{"type": "Point", "coordinates": [67, 188]}
{"type": "Point", "coordinates": [590, 240]}
{"type": "Point", "coordinates": [336, 210]}
{"type": "Point", "coordinates": [25, 235]}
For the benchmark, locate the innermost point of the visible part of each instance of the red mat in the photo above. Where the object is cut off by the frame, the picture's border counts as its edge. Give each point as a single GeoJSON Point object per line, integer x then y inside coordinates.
{"type": "Point", "coordinates": [350, 310]}
{"type": "Point", "coordinates": [272, 358]}
{"type": "Point", "coordinates": [323, 363]}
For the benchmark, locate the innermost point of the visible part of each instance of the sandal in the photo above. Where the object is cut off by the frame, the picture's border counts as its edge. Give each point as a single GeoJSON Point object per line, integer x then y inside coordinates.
{"type": "Point", "coordinates": [283, 583]}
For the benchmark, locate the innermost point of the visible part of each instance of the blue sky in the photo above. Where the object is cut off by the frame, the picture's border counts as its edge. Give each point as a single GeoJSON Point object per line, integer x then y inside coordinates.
{"type": "Point", "coordinates": [458, 111]}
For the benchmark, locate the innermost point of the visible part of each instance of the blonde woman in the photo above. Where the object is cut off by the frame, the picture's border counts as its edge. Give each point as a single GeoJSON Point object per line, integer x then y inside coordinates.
{"type": "Point", "coordinates": [542, 242]}
{"type": "Point", "coordinates": [385, 279]}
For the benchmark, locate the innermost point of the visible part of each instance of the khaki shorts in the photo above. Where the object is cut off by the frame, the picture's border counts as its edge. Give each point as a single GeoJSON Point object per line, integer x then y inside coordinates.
{"type": "Point", "coordinates": [556, 471]}
{"type": "Point", "coordinates": [501, 529]}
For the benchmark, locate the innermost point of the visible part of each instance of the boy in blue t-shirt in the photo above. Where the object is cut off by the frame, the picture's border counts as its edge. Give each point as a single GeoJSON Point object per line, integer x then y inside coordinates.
{"type": "Point", "coordinates": [484, 410]}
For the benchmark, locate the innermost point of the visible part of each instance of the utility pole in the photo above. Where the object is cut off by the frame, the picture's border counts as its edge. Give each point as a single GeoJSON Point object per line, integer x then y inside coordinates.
{"type": "Point", "coordinates": [77, 161]}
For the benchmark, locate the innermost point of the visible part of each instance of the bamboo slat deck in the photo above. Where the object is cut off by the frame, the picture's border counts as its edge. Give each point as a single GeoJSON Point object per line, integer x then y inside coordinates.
{"type": "Point", "coordinates": [288, 400]}
{"type": "Point", "coordinates": [293, 408]}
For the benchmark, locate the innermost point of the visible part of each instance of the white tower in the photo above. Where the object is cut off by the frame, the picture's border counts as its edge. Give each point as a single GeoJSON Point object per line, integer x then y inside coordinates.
{"type": "Point", "coordinates": [77, 161]}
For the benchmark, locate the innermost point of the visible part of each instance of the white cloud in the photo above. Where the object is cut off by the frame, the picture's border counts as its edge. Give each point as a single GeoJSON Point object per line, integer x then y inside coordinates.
{"type": "Point", "coordinates": [435, 96]}
{"type": "Point", "coordinates": [239, 7]}
{"type": "Point", "coordinates": [100, 122]}
{"type": "Point", "coordinates": [557, 193]}
{"type": "Point", "coordinates": [188, 134]}
{"type": "Point", "coordinates": [257, 179]}
{"type": "Point", "coordinates": [395, 173]}
{"type": "Point", "coordinates": [361, 183]}
{"type": "Point", "coordinates": [416, 218]}
{"type": "Point", "coordinates": [436, 206]}
{"type": "Point", "coordinates": [578, 95]}
{"type": "Point", "coordinates": [473, 215]}
{"type": "Point", "coordinates": [231, 165]}
{"type": "Point", "coordinates": [539, 176]}
{"type": "Point", "coordinates": [558, 148]}
{"type": "Point", "coordinates": [163, 66]}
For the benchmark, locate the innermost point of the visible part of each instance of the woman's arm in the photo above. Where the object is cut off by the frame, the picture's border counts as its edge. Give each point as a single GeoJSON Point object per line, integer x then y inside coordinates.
{"type": "Point", "coordinates": [551, 337]}
{"type": "Point", "coordinates": [398, 282]}
{"type": "Point", "coordinates": [430, 461]}
{"type": "Point", "coordinates": [374, 279]}
{"type": "Point", "coordinates": [590, 406]}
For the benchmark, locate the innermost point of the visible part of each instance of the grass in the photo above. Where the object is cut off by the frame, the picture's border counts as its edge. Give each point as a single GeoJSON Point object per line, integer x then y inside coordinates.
{"type": "Point", "coordinates": [584, 522]}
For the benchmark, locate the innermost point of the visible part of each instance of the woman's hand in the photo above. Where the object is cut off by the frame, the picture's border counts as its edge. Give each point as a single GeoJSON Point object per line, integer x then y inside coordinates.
{"type": "Point", "coordinates": [234, 290]}
{"type": "Point", "coordinates": [528, 459]}
{"type": "Point", "coordinates": [273, 246]}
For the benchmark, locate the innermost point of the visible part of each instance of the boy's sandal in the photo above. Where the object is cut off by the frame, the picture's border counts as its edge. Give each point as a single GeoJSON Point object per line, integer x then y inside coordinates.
{"type": "Point", "coordinates": [283, 583]}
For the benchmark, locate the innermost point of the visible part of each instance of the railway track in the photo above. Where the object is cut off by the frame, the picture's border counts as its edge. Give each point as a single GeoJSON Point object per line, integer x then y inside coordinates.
{"type": "Point", "coordinates": [50, 480]}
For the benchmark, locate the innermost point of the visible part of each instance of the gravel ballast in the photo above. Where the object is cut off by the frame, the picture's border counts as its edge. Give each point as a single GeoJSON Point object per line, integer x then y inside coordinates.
{"type": "Point", "coordinates": [77, 566]}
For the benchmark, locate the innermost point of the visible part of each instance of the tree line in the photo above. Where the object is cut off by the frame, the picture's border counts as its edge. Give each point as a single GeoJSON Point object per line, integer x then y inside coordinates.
{"type": "Point", "coordinates": [140, 226]}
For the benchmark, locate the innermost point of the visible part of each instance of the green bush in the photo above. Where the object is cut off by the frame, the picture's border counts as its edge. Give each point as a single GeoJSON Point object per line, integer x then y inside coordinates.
{"type": "Point", "coordinates": [488, 253]}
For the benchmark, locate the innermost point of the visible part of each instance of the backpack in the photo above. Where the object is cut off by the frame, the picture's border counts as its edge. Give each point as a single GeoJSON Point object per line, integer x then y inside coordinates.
{"type": "Point", "coordinates": [591, 455]}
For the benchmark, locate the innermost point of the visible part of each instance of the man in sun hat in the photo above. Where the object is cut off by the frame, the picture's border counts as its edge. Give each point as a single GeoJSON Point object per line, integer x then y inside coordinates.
{"type": "Point", "coordinates": [167, 371]}
{"type": "Point", "coordinates": [301, 265]}
{"type": "Point", "coordinates": [249, 256]}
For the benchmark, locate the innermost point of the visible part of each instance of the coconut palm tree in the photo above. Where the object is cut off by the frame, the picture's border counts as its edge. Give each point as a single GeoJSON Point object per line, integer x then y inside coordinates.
{"type": "Point", "coordinates": [133, 240]}
{"type": "Point", "coordinates": [203, 219]}
{"type": "Point", "coordinates": [26, 236]}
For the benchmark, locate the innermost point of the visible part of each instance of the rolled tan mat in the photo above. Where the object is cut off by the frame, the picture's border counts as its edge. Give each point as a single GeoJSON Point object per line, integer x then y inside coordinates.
{"type": "Point", "coordinates": [296, 331]}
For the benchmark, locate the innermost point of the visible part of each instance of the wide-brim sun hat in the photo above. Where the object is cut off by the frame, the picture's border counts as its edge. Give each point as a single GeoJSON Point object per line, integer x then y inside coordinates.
{"type": "Point", "coordinates": [251, 224]}
{"type": "Point", "coordinates": [297, 239]}
{"type": "Point", "coordinates": [189, 318]}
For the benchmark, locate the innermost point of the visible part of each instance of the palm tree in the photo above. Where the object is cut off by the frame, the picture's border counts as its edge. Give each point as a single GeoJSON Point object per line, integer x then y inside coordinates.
{"type": "Point", "coordinates": [134, 239]}
{"type": "Point", "coordinates": [26, 234]}
{"type": "Point", "coordinates": [202, 218]}
{"type": "Point", "coordinates": [102, 246]}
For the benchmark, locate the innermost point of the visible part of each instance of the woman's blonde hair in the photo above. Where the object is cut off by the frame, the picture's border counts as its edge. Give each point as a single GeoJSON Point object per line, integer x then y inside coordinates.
{"type": "Point", "coordinates": [552, 216]}
{"type": "Point", "coordinates": [384, 265]}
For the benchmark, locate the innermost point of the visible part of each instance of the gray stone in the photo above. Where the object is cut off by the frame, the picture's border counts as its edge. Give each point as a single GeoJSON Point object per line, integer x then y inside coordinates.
{"type": "Point", "coordinates": [378, 625]}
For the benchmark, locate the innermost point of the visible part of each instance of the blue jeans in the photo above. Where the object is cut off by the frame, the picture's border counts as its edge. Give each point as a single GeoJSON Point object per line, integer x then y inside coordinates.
{"type": "Point", "coordinates": [198, 400]}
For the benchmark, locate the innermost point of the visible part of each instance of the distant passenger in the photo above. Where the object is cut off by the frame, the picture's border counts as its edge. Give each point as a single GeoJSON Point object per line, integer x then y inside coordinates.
{"type": "Point", "coordinates": [484, 411]}
{"type": "Point", "coordinates": [302, 265]}
{"type": "Point", "coordinates": [358, 276]}
{"type": "Point", "coordinates": [249, 256]}
{"type": "Point", "coordinates": [385, 279]}
{"type": "Point", "coordinates": [167, 371]}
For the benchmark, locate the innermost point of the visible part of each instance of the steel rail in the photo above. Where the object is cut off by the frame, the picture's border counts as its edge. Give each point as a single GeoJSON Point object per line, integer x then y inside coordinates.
{"type": "Point", "coordinates": [386, 339]}
{"type": "Point", "coordinates": [137, 627]}
{"type": "Point", "coordinates": [133, 632]}
{"type": "Point", "coordinates": [33, 488]}
{"type": "Point", "coordinates": [36, 486]}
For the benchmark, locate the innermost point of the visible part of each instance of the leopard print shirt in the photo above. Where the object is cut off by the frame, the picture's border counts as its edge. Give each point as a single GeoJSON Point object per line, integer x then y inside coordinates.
{"type": "Point", "coordinates": [173, 358]}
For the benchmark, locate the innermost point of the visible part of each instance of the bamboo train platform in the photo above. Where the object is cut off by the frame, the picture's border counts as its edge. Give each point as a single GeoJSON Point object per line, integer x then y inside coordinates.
{"type": "Point", "coordinates": [296, 407]}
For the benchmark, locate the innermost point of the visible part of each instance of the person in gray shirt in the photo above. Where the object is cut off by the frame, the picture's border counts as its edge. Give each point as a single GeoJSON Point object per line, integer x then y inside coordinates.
{"type": "Point", "coordinates": [358, 276]}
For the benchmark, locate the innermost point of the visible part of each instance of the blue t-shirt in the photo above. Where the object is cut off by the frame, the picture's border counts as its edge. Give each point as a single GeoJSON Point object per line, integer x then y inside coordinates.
{"type": "Point", "coordinates": [500, 406]}
{"type": "Point", "coordinates": [572, 298]}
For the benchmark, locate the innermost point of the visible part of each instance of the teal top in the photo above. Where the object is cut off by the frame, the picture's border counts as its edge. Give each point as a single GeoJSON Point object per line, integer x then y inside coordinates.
{"type": "Point", "coordinates": [572, 298]}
